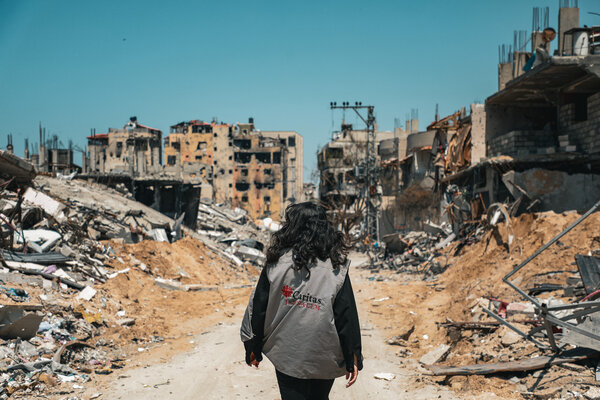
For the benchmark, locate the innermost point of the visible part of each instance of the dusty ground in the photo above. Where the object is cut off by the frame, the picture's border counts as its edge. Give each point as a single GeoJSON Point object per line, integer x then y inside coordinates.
{"type": "Point", "coordinates": [213, 366]}
{"type": "Point", "coordinates": [202, 356]}
{"type": "Point", "coordinates": [476, 272]}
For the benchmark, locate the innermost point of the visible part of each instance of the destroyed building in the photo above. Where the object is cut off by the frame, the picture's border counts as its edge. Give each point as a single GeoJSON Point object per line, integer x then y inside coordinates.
{"type": "Point", "coordinates": [541, 129]}
{"type": "Point", "coordinates": [130, 159]}
{"type": "Point", "coordinates": [134, 150]}
{"type": "Point", "coordinates": [341, 170]}
{"type": "Point", "coordinates": [534, 142]}
{"type": "Point", "coordinates": [260, 172]}
{"type": "Point", "coordinates": [294, 164]}
{"type": "Point", "coordinates": [51, 156]}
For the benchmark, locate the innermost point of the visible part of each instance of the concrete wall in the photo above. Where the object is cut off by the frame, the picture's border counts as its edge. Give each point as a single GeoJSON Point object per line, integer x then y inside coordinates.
{"type": "Point", "coordinates": [585, 135]}
{"type": "Point", "coordinates": [558, 191]}
{"type": "Point", "coordinates": [500, 120]}
{"type": "Point", "coordinates": [519, 143]}
{"type": "Point", "coordinates": [505, 74]}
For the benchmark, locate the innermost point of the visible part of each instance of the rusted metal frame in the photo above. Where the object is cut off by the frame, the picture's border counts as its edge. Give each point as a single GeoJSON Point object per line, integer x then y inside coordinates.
{"type": "Point", "coordinates": [548, 326]}
{"type": "Point", "coordinates": [573, 328]}
{"type": "Point", "coordinates": [567, 318]}
{"type": "Point", "coordinates": [542, 249]}
{"type": "Point", "coordinates": [514, 328]}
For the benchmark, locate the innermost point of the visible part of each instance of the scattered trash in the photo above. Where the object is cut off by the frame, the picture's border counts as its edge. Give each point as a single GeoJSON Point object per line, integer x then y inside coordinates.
{"type": "Point", "coordinates": [386, 376]}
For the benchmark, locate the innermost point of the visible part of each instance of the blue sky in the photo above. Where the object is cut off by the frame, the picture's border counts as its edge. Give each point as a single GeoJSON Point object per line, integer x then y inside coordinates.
{"type": "Point", "coordinates": [76, 65]}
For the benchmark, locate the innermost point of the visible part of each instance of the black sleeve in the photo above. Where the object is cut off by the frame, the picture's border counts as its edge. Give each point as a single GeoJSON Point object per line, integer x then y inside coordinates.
{"type": "Point", "coordinates": [257, 321]}
{"type": "Point", "coordinates": [347, 325]}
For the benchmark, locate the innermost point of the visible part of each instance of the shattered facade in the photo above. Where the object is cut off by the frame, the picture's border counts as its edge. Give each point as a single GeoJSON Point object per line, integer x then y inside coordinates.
{"type": "Point", "coordinates": [134, 150]}
{"type": "Point", "coordinates": [341, 178]}
{"type": "Point", "coordinates": [260, 172]}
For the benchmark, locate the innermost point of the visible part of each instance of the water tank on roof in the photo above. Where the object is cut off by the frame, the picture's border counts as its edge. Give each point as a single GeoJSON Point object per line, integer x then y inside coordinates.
{"type": "Point", "coordinates": [581, 43]}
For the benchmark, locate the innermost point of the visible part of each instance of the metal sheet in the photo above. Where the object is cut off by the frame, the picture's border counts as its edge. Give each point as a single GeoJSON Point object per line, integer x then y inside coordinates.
{"type": "Point", "coordinates": [589, 269]}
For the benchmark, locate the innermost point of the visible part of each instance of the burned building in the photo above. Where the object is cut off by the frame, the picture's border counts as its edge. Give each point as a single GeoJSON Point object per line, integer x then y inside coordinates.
{"type": "Point", "coordinates": [197, 150]}
{"type": "Point", "coordinates": [259, 180]}
{"type": "Point", "coordinates": [294, 164]}
{"type": "Point", "coordinates": [131, 158]}
{"type": "Point", "coordinates": [134, 150]}
{"type": "Point", "coordinates": [260, 172]}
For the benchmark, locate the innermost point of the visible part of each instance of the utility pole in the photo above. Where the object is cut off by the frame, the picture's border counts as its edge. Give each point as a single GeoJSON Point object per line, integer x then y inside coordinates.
{"type": "Point", "coordinates": [369, 191]}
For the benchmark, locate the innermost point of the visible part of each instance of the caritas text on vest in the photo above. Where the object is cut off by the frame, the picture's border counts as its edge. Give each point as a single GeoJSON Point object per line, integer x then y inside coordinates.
{"type": "Point", "coordinates": [295, 298]}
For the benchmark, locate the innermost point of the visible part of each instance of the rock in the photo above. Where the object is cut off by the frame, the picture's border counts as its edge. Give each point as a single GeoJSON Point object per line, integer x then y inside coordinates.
{"type": "Point", "coordinates": [403, 336]}
{"type": "Point", "coordinates": [126, 321]}
{"type": "Point", "coordinates": [435, 355]}
{"type": "Point", "coordinates": [592, 394]}
{"type": "Point", "coordinates": [508, 337]}
{"type": "Point", "coordinates": [458, 382]}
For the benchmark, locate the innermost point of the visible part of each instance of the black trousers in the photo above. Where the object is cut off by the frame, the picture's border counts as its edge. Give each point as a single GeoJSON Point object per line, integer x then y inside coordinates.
{"type": "Point", "coordinates": [303, 389]}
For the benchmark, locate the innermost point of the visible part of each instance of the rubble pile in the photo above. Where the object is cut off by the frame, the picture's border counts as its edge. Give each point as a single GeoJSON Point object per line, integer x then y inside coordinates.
{"type": "Point", "coordinates": [422, 252]}
{"type": "Point", "coordinates": [239, 238]}
{"type": "Point", "coordinates": [482, 334]}
{"type": "Point", "coordinates": [89, 275]}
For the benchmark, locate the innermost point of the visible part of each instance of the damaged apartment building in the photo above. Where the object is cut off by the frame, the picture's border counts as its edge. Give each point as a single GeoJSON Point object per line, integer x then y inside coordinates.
{"type": "Point", "coordinates": [52, 156]}
{"type": "Point", "coordinates": [342, 174]}
{"type": "Point", "coordinates": [131, 157]}
{"type": "Point", "coordinates": [542, 128]}
{"type": "Point", "coordinates": [534, 144]}
{"type": "Point", "coordinates": [259, 171]}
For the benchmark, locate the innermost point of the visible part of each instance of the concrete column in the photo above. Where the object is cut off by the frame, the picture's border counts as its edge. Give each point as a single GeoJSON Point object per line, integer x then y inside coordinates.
{"type": "Point", "coordinates": [568, 18]}
{"type": "Point", "coordinates": [414, 125]}
{"type": "Point", "coordinates": [478, 147]}
{"type": "Point", "coordinates": [505, 74]}
{"type": "Point", "coordinates": [520, 59]}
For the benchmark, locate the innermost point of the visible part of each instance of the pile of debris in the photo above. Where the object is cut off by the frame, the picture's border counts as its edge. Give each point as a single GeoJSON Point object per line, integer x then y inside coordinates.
{"type": "Point", "coordinates": [538, 342]}
{"type": "Point", "coordinates": [62, 243]}
{"type": "Point", "coordinates": [239, 238]}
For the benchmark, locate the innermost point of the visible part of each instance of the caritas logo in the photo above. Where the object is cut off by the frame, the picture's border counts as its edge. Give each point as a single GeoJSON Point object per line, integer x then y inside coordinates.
{"type": "Point", "coordinates": [295, 298]}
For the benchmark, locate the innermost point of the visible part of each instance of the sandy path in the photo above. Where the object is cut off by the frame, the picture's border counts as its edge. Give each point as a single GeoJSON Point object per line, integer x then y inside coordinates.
{"type": "Point", "coordinates": [215, 369]}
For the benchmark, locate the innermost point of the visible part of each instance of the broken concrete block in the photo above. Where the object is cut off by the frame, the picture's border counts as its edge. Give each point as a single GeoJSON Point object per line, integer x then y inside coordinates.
{"type": "Point", "coordinates": [126, 321]}
{"type": "Point", "coordinates": [93, 233]}
{"type": "Point", "coordinates": [526, 309]}
{"type": "Point", "coordinates": [168, 284]}
{"type": "Point", "coordinates": [87, 293]}
{"type": "Point", "coordinates": [435, 355]}
{"type": "Point", "coordinates": [593, 393]}
{"type": "Point", "coordinates": [47, 203]}
{"type": "Point", "coordinates": [509, 337]}
{"type": "Point", "coordinates": [386, 376]}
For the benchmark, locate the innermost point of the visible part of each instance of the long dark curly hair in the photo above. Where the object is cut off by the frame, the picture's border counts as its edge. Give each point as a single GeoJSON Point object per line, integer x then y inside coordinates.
{"type": "Point", "coordinates": [310, 235]}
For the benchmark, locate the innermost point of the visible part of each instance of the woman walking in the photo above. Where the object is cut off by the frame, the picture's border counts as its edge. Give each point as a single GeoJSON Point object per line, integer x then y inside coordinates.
{"type": "Point", "coordinates": [302, 314]}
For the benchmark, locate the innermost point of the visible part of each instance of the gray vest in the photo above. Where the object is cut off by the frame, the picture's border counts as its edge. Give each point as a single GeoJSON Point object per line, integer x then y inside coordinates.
{"type": "Point", "coordinates": [300, 335]}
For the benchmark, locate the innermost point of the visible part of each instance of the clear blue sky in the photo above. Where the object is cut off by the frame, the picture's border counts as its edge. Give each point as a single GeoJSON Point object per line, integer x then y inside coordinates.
{"type": "Point", "coordinates": [76, 65]}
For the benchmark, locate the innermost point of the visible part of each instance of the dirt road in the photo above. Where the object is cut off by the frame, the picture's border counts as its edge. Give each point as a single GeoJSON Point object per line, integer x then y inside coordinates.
{"type": "Point", "coordinates": [215, 369]}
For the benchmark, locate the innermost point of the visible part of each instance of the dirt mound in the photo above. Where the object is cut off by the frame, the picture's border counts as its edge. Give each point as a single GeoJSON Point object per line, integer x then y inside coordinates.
{"type": "Point", "coordinates": [475, 272]}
